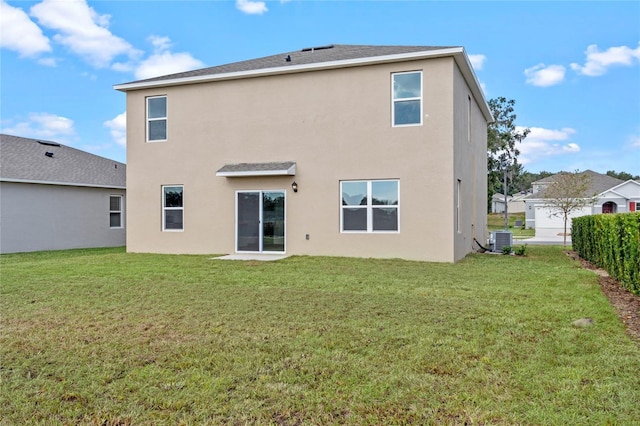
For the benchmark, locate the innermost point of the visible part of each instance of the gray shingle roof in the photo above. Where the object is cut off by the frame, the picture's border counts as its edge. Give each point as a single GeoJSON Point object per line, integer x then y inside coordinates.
{"type": "Point", "coordinates": [317, 55]}
{"type": "Point", "coordinates": [599, 183]}
{"type": "Point", "coordinates": [24, 159]}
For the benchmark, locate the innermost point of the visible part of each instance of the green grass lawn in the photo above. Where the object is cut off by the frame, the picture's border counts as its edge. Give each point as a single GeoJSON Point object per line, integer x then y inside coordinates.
{"type": "Point", "coordinates": [495, 222]}
{"type": "Point", "coordinates": [101, 337]}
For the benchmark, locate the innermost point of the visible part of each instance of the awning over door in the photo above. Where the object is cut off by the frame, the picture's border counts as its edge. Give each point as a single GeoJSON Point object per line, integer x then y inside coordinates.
{"type": "Point", "coordinates": [285, 168]}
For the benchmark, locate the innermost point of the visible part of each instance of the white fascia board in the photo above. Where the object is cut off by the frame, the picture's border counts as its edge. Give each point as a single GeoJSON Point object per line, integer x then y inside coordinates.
{"type": "Point", "coordinates": [630, 181]}
{"type": "Point", "coordinates": [45, 182]}
{"type": "Point", "coordinates": [616, 194]}
{"type": "Point", "coordinates": [469, 74]}
{"type": "Point", "coordinates": [254, 173]}
{"type": "Point", "coordinates": [458, 53]}
{"type": "Point", "coordinates": [291, 69]}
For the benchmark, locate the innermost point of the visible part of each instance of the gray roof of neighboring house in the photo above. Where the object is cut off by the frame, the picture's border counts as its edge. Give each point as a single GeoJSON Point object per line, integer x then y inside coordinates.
{"type": "Point", "coordinates": [316, 55]}
{"type": "Point", "coordinates": [40, 161]}
{"type": "Point", "coordinates": [500, 197]}
{"type": "Point", "coordinates": [599, 183]}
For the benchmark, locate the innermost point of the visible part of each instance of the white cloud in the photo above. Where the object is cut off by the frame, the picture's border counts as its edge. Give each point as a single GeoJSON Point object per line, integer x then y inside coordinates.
{"type": "Point", "coordinates": [163, 62]}
{"type": "Point", "coordinates": [598, 62]}
{"type": "Point", "coordinates": [477, 61]}
{"type": "Point", "coordinates": [48, 62]}
{"type": "Point", "coordinates": [251, 7]}
{"type": "Point", "coordinates": [545, 76]}
{"type": "Point", "coordinates": [42, 125]}
{"type": "Point", "coordinates": [118, 128]}
{"type": "Point", "coordinates": [21, 34]}
{"type": "Point", "coordinates": [634, 142]}
{"type": "Point", "coordinates": [541, 143]}
{"type": "Point", "coordinates": [83, 31]}
{"type": "Point", "coordinates": [160, 43]}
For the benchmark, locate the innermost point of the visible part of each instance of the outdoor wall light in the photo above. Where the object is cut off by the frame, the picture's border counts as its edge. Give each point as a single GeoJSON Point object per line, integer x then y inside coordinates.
{"type": "Point", "coordinates": [294, 186]}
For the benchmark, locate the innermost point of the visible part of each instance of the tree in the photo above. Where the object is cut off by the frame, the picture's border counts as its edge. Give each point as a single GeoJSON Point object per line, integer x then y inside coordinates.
{"type": "Point", "coordinates": [502, 151]}
{"type": "Point", "coordinates": [622, 175]}
{"type": "Point", "coordinates": [568, 193]}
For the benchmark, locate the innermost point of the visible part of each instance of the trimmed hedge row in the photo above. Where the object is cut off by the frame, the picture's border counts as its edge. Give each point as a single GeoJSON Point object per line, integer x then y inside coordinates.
{"type": "Point", "coordinates": [612, 242]}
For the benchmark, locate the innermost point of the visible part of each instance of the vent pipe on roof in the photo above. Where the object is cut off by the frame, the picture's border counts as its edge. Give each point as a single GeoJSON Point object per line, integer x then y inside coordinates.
{"type": "Point", "coordinates": [288, 58]}
{"type": "Point", "coordinates": [49, 154]}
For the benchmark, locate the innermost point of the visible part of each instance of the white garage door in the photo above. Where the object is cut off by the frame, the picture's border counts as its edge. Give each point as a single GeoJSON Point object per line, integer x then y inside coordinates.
{"type": "Point", "coordinates": [547, 225]}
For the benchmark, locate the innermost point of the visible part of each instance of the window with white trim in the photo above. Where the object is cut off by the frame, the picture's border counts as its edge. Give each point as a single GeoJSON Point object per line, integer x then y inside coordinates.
{"type": "Point", "coordinates": [156, 118]}
{"type": "Point", "coordinates": [172, 208]}
{"type": "Point", "coordinates": [458, 206]}
{"type": "Point", "coordinates": [469, 119]}
{"type": "Point", "coordinates": [406, 88]}
{"type": "Point", "coordinates": [115, 211]}
{"type": "Point", "coordinates": [370, 206]}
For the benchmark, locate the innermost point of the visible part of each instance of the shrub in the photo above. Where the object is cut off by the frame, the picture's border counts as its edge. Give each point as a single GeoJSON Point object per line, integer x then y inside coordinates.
{"type": "Point", "coordinates": [521, 250]}
{"type": "Point", "coordinates": [612, 242]}
{"type": "Point", "coordinates": [506, 250]}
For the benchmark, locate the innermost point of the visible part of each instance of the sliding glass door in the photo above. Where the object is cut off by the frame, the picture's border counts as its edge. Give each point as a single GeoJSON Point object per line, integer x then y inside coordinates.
{"type": "Point", "coordinates": [260, 221]}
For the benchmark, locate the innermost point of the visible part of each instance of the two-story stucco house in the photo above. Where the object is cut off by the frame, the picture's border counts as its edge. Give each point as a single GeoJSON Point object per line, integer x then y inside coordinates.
{"type": "Point", "coordinates": [368, 151]}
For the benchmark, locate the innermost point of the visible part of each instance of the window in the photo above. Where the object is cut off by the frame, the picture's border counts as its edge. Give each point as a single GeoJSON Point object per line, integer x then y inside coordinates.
{"type": "Point", "coordinates": [157, 119]}
{"type": "Point", "coordinates": [172, 208]}
{"type": "Point", "coordinates": [407, 98]}
{"type": "Point", "coordinates": [115, 211]}
{"type": "Point", "coordinates": [458, 211]}
{"type": "Point", "coordinates": [369, 206]}
{"type": "Point", "coordinates": [469, 120]}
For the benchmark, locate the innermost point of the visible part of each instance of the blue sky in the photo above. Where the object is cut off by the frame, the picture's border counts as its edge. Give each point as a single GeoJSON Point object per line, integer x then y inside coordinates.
{"type": "Point", "coordinates": [572, 67]}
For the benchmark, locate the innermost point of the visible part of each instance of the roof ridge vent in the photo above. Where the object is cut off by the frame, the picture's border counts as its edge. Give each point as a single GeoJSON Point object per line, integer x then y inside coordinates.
{"type": "Point", "coordinates": [312, 49]}
{"type": "Point", "coordinates": [48, 143]}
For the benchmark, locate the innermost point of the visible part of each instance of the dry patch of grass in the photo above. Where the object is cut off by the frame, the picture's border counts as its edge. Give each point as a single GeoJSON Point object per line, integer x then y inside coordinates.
{"type": "Point", "coordinates": [103, 337]}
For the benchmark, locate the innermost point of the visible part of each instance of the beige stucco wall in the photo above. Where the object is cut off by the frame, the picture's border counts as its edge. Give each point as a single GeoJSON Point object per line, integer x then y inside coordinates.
{"type": "Point", "coordinates": [470, 167]}
{"type": "Point", "coordinates": [336, 125]}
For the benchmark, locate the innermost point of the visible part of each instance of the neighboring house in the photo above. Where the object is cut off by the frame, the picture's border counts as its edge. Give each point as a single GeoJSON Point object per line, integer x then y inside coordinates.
{"type": "Point", "coordinates": [55, 197]}
{"type": "Point", "coordinates": [368, 151]}
{"type": "Point", "coordinates": [613, 196]}
{"type": "Point", "coordinates": [515, 203]}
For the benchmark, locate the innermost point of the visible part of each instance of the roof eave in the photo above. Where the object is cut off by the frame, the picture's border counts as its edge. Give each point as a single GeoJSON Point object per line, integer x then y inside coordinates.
{"type": "Point", "coordinates": [289, 69]}
{"type": "Point", "coordinates": [46, 182]}
{"type": "Point", "coordinates": [466, 68]}
{"type": "Point", "coordinates": [458, 53]}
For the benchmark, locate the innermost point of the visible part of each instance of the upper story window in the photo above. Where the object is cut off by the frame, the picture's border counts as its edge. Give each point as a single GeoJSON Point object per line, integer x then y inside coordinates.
{"type": "Point", "coordinates": [469, 119]}
{"type": "Point", "coordinates": [156, 119]}
{"type": "Point", "coordinates": [458, 206]}
{"type": "Point", "coordinates": [115, 211]}
{"type": "Point", "coordinates": [407, 98]}
{"type": "Point", "coordinates": [172, 208]}
{"type": "Point", "coordinates": [370, 206]}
